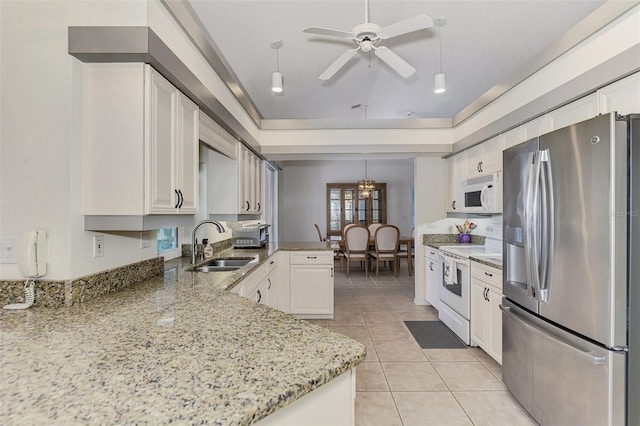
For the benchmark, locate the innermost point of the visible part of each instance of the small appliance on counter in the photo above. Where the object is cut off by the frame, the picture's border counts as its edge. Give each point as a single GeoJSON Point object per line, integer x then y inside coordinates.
{"type": "Point", "coordinates": [250, 236]}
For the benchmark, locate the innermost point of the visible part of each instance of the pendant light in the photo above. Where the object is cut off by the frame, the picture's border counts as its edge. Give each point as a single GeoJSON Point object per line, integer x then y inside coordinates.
{"type": "Point", "coordinates": [439, 82]}
{"type": "Point", "coordinates": [276, 77]}
{"type": "Point", "coordinates": [366, 185]}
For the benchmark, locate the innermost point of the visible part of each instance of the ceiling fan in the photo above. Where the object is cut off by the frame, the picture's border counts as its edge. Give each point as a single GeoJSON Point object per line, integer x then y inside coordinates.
{"type": "Point", "coordinates": [368, 36]}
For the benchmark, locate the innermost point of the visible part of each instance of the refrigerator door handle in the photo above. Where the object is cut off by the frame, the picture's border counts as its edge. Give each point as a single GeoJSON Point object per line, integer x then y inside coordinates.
{"type": "Point", "coordinates": [587, 356]}
{"type": "Point", "coordinates": [532, 264]}
{"type": "Point", "coordinates": [548, 225]}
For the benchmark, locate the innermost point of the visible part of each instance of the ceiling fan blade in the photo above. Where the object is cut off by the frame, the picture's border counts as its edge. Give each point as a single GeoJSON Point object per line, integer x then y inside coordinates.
{"type": "Point", "coordinates": [409, 25]}
{"type": "Point", "coordinates": [339, 63]}
{"type": "Point", "coordinates": [328, 32]}
{"type": "Point", "coordinates": [394, 61]}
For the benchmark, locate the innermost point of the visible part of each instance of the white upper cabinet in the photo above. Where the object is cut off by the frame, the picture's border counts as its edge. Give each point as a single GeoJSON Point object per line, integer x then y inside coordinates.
{"type": "Point", "coordinates": [575, 112]}
{"type": "Point", "coordinates": [250, 171]}
{"type": "Point", "coordinates": [454, 166]}
{"type": "Point", "coordinates": [235, 186]}
{"type": "Point", "coordinates": [140, 143]}
{"type": "Point", "coordinates": [484, 158]}
{"type": "Point", "coordinates": [622, 96]}
{"type": "Point", "coordinates": [217, 138]}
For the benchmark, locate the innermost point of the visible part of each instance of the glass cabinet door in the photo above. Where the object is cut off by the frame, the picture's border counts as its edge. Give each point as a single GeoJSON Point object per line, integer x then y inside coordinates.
{"type": "Point", "coordinates": [345, 205]}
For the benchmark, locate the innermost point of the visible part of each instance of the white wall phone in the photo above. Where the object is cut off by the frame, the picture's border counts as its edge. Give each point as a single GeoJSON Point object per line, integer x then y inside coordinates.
{"type": "Point", "coordinates": [32, 264]}
{"type": "Point", "coordinates": [32, 254]}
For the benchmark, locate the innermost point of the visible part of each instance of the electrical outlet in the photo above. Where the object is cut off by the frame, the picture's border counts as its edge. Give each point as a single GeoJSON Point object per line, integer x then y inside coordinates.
{"type": "Point", "coordinates": [145, 239]}
{"type": "Point", "coordinates": [98, 246]}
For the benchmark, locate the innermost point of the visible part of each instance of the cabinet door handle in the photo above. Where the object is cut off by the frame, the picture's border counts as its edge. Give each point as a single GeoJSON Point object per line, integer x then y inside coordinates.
{"type": "Point", "coordinates": [478, 167]}
{"type": "Point", "coordinates": [431, 266]}
{"type": "Point", "coordinates": [259, 296]}
{"type": "Point", "coordinates": [312, 257]}
{"type": "Point", "coordinates": [248, 205]}
{"type": "Point", "coordinates": [332, 272]}
{"type": "Point", "coordinates": [488, 274]}
{"type": "Point", "coordinates": [453, 205]}
{"type": "Point", "coordinates": [258, 206]}
{"type": "Point", "coordinates": [269, 279]}
{"type": "Point", "coordinates": [488, 296]}
{"type": "Point", "coordinates": [178, 199]}
{"type": "Point", "coordinates": [181, 198]}
{"type": "Point", "coordinates": [271, 263]}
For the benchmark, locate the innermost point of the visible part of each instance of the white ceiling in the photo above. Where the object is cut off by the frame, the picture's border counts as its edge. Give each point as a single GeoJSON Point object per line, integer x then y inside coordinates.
{"type": "Point", "coordinates": [484, 43]}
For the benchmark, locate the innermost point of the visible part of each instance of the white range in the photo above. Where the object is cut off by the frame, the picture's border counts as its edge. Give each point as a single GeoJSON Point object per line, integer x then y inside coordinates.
{"type": "Point", "coordinates": [455, 289]}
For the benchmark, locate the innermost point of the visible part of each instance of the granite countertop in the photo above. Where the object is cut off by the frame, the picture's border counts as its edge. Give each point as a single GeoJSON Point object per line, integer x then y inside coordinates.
{"type": "Point", "coordinates": [493, 261]}
{"type": "Point", "coordinates": [177, 348]}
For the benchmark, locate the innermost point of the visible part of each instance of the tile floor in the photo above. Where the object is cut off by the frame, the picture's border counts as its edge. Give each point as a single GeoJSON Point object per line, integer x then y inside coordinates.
{"type": "Point", "coordinates": [401, 384]}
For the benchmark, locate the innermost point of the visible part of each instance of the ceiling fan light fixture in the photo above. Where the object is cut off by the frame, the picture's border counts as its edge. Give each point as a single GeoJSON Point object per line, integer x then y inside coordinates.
{"type": "Point", "coordinates": [276, 82]}
{"type": "Point", "coordinates": [439, 83]}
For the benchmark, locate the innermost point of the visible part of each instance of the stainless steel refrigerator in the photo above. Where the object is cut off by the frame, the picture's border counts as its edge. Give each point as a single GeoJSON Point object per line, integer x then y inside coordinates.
{"type": "Point", "coordinates": [571, 320]}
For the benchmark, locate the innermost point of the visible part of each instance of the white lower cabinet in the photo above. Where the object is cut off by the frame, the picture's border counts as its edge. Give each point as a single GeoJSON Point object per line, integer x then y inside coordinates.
{"type": "Point", "coordinates": [486, 318]}
{"type": "Point", "coordinates": [311, 284]}
{"type": "Point", "coordinates": [298, 283]}
{"type": "Point", "coordinates": [332, 404]}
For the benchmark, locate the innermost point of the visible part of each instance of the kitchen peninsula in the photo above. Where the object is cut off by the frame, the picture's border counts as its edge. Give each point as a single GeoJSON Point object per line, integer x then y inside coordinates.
{"type": "Point", "coordinates": [177, 348]}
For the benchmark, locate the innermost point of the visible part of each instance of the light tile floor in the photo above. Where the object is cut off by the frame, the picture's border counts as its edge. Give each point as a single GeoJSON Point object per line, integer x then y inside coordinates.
{"type": "Point", "coordinates": [401, 384]}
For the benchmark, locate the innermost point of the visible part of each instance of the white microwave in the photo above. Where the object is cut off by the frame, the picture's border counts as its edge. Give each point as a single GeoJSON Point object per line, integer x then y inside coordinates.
{"type": "Point", "coordinates": [482, 194]}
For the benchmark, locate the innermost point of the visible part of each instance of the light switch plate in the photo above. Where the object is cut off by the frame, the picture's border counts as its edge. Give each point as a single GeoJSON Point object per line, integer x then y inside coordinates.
{"type": "Point", "coordinates": [8, 250]}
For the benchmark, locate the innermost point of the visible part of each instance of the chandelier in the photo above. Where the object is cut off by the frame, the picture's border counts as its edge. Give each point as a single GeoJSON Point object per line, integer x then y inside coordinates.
{"type": "Point", "coordinates": [366, 185]}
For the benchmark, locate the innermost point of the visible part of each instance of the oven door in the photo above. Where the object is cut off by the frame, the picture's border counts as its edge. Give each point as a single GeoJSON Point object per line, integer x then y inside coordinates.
{"type": "Point", "coordinates": [457, 296]}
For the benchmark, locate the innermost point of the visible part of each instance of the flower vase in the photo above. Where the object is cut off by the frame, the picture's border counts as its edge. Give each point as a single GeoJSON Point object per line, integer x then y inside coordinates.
{"type": "Point", "coordinates": [464, 238]}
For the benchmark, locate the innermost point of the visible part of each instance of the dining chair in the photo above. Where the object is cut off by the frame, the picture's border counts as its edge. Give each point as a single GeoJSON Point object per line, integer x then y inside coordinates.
{"type": "Point", "coordinates": [386, 240]}
{"type": "Point", "coordinates": [373, 227]}
{"type": "Point", "coordinates": [319, 233]}
{"type": "Point", "coordinates": [357, 246]}
{"type": "Point", "coordinates": [344, 230]}
{"type": "Point", "coordinates": [405, 253]}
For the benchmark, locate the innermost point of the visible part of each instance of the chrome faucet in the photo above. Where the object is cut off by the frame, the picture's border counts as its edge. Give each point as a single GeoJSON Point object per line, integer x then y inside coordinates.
{"type": "Point", "coordinates": [219, 227]}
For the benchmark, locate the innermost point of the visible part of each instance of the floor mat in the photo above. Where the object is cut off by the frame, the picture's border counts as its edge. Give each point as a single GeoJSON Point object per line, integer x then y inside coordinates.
{"type": "Point", "coordinates": [434, 335]}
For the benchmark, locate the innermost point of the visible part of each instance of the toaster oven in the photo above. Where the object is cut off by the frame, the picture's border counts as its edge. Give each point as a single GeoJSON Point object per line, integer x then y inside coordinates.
{"type": "Point", "coordinates": [254, 236]}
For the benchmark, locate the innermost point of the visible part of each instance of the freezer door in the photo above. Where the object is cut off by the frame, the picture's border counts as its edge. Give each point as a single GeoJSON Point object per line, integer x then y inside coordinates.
{"type": "Point", "coordinates": [559, 378]}
{"type": "Point", "coordinates": [586, 279]}
{"type": "Point", "coordinates": [516, 284]}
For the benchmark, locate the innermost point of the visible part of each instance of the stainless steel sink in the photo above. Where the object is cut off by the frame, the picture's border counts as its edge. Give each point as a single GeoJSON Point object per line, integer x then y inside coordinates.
{"type": "Point", "coordinates": [225, 264]}
{"type": "Point", "coordinates": [211, 268]}
{"type": "Point", "coordinates": [231, 261]}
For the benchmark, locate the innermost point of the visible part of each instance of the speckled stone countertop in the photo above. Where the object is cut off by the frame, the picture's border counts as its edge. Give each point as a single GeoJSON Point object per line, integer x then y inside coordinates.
{"type": "Point", "coordinates": [176, 348]}
{"type": "Point", "coordinates": [493, 261]}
